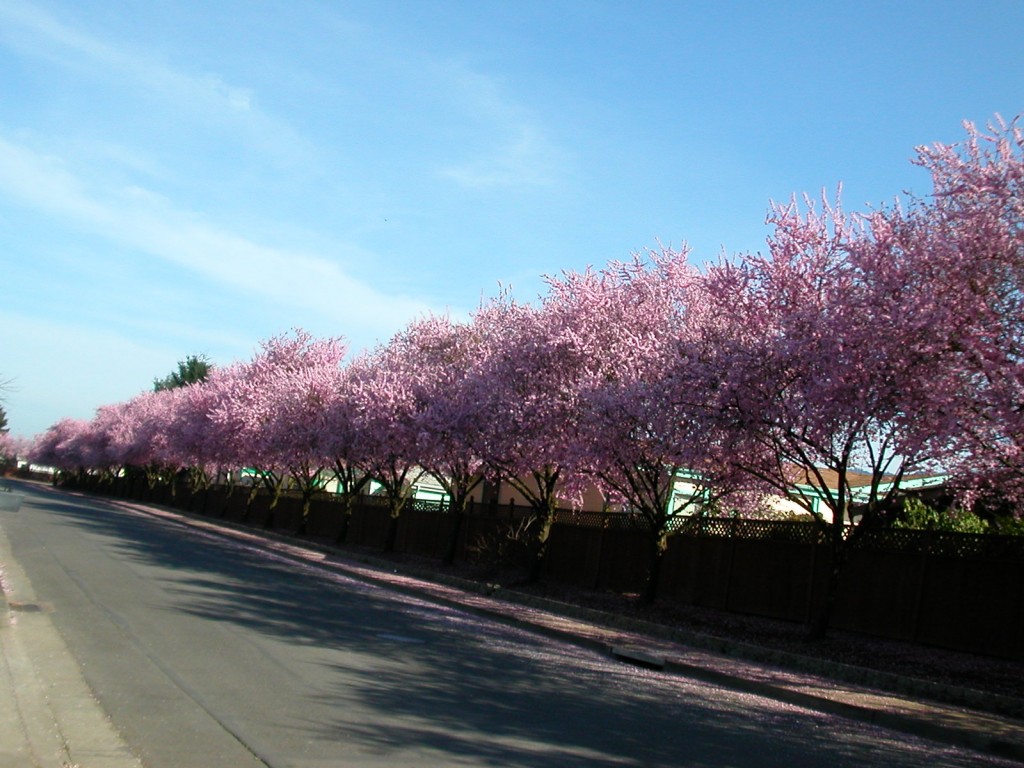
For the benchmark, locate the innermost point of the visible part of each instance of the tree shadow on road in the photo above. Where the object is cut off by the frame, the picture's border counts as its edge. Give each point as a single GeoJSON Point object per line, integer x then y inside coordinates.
{"type": "Point", "coordinates": [406, 679]}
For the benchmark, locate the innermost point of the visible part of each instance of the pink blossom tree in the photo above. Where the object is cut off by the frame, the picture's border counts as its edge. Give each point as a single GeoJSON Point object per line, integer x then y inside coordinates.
{"type": "Point", "coordinates": [643, 434]}
{"type": "Point", "coordinates": [350, 457]}
{"type": "Point", "coordinates": [306, 380]}
{"type": "Point", "coordinates": [968, 242]}
{"type": "Point", "coordinates": [214, 425]}
{"type": "Point", "coordinates": [99, 447]}
{"type": "Point", "coordinates": [239, 423]}
{"type": "Point", "coordinates": [191, 442]}
{"type": "Point", "coordinates": [274, 408]}
{"type": "Point", "coordinates": [806, 377]}
{"type": "Point", "coordinates": [447, 412]}
{"type": "Point", "coordinates": [131, 430]}
{"type": "Point", "coordinates": [528, 384]}
{"type": "Point", "coordinates": [49, 447]}
{"type": "Point", "coordinates": [76, 448]}
{"type": "Point", "coordinates": [383, 408]}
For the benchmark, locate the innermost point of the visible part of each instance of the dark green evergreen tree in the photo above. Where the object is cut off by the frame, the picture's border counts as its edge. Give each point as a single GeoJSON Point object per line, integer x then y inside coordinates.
{"type": "Point", "coordinates": [192, 369]}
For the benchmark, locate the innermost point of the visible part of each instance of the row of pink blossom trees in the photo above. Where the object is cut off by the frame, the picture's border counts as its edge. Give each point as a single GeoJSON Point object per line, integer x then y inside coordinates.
{"type": "Point", "coordinates": [888, 342]}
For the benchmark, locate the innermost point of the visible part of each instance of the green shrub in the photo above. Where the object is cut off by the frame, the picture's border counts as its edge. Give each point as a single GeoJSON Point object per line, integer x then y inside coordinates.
{"type": "Point", "coordinates": [1008, 525]}
{"type": "Point", "coordinates": [918, 515]}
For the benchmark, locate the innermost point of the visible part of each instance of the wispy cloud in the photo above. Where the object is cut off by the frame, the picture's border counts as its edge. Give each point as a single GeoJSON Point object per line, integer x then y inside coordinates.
{"type": "Point", "coordinates": [150, 224]}
{"type": "Point", "coordinates": [33, 30]}
{"type": "Point", "coordinates": [206, 97]}
{"type": "Point", "coordinates": [513, 147]}
{"type": "Point", "coordinates": [525, 159]}
{"type": "Point", "coordinates": [36, 33]}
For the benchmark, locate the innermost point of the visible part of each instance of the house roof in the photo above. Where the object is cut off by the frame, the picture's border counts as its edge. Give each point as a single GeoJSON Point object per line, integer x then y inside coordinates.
{"type": "Point", "coordinates": [861, 479]}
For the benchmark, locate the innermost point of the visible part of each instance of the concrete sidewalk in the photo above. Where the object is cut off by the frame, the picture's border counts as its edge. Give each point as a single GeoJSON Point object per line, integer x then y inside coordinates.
{"type": "Point", "coordinates": [49, 718]}
{"type": "Point", "coordinates": [48, 715]}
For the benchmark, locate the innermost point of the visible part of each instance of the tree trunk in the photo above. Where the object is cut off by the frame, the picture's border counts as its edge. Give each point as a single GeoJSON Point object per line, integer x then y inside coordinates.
{"type": "Point", "coordinates": [545, 521]}
{"type": "Point", "coordinates": [454, 534]}
{"type": "Point", "coordinates": [232, 488]}
{"type": "Point", "coordinates": [253, 490]}
{"type": "Point", "coordinates": [304, 517]}
{"type": "Point", "coordinates": [272, 509]}
{"type": "Point", "coordinates": [458, 512]}
{"type": "Point", "coordinates": [346, 518]}
{"type": "Point", "coordinates": [392, 535]}
{"type": "Point", "coordinates": [818, 628]}
{"type": "Point", "coordinates": [659, 545]}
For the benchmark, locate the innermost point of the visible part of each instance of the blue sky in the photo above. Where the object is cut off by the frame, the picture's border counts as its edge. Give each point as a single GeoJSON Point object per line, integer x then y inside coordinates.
{"type": "Point", "coordinates": [193, 177]}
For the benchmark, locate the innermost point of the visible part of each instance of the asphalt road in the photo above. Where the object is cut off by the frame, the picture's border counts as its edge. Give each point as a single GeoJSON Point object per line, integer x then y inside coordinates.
{"type": "Point", "coordinates": [206, 651]}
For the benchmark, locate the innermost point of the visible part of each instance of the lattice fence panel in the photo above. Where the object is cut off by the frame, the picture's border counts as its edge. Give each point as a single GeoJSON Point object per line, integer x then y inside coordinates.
{"type": "Point", "coordinates": [944, 544]}
{"type": "Point", "coordinates": [425, 505]}
{"type": "Point", "coordinates": [608, 520]}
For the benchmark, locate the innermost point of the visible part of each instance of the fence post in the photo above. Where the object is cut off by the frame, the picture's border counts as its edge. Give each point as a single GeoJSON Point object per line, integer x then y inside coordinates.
{"type": "Point", "coordinates": [732, 566]}
{"type": "Point", "coordinates": [599, 565]}
{"type": "Point", "coordinates": [922, 580]}
{"type": "Point", "coordinates": [812, 572]}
